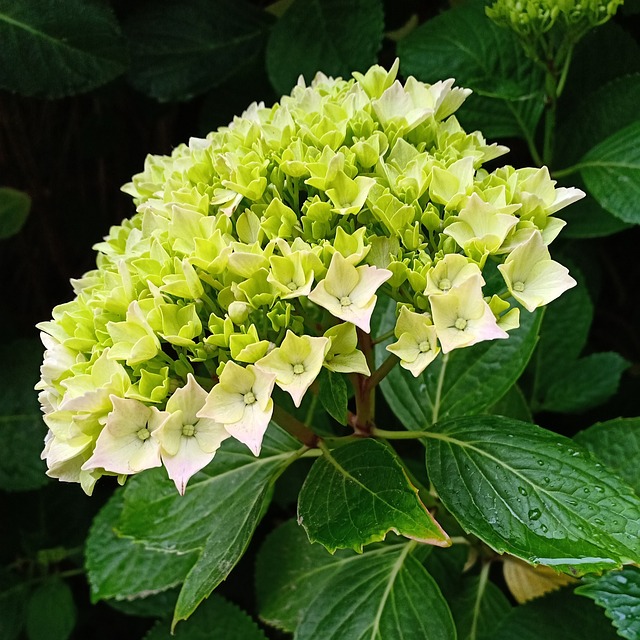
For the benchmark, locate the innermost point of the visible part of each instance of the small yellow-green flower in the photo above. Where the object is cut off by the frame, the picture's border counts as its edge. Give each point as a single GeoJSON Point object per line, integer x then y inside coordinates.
{"type": "Point", "coordinates": [241, 401]}
{"type": "Point", "coordinates": [188, 441]}
{"type": "Point", "coordinates": [462, 318]}
{"type": "Point", "coordinates": [480, 228]}
{"type": "Point", "coordinates": [348, 292]}
{"type": "Point", "coordinates": [127, 444]}
{"type": "Point", "coordinates": [532, 278]}
{"type": "Point", "coordinates": [343, 355]}
{"type": "Point", "coordinates": [296, 363]}
{"type": "Point", "coordinates": [450, 272]}
{"type": "Point", "coordinates": [417, 345]}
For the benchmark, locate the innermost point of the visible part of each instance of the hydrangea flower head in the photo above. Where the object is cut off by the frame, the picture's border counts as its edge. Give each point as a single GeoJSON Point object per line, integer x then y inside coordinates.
{"type": "Point", "coordinates": [256, 257]}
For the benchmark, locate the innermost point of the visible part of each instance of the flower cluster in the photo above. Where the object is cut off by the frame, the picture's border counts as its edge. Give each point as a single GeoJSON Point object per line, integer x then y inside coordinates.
{"type": "Point", "coordinates": [256, 257]}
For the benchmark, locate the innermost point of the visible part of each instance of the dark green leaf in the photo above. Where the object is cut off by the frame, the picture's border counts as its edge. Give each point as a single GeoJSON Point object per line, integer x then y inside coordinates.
{"type": "Point", "coordinates": [617, 444]}
{"type": "Point", "coordinates": [333, 395]}
{"type": "Point", "coordinates": [14, 209]}
{"type": "Point", "coordinates": [619, 593]}
{"type": "Point", "coordinates": [55, 49]}
{"type": "Point", "coordinates": [290, 572]}
{"type": "Point", "coordinates": [357, 493]}
{"type": "Point", "coordinates": [13, 596]}
{"type": "Point", "coordinates": [478, 608]}
{"type": "Point", "coordinates": [21, 427]}
{"type": "Point", "coordinates": [384, 593]}
{"type": "Point", "coordinates": [558, 616]}
{"type": "Point", "coordinates": [51, 612]}
{"type": "Point", "coordinates": [587, 219]}
{"type": "Point", "coordinates": [561, 381]}
{"type": "Point", "coordinates": [445, 566]}
{"type": "Point", "coordinates": [124, 569]}
{"type": "Point", "coordinates": [181, 49]}
{"type": "Point", "coordinates": [324, 35]}
{"type": "Point", "coordinates": [216, 517]}
{"type": "Point", "coordinates": [512, 405]}
{"type": "Point", "coordinates": [473, 379]}
{"type": "Point", "coordinates": [534, 494]}
{"type": "Point", "coordinates": [215, 618]}
{"type": "Point", "coordinates": [154, 606]}
{"type": "Point", "coordinates": [584, 383]}
{"type": "Point", "coordinates": [464, 44]}
{"type": "Point", "coordinates": [615, 161]}
{"type": "Point", "coordinates": [565, 329]}
{"type": "Point", "coordinates": [610, 107]}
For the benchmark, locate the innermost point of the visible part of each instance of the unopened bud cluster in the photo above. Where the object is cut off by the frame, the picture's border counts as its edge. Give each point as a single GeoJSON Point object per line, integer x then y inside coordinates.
{"type": "Point", "coordinates": [564, 21]}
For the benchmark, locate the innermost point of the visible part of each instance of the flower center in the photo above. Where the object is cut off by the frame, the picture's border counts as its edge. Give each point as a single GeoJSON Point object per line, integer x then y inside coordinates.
{"type": "Point", "coordinates": [143, 434]}
{"type": "Point", "coordinates": [518, 286]}
{"type": "Point", "coordinates": [292, 286]}
{"type": "Point", "coordinates": [444, 284]}
{"type": "Point", "coordinates": [424, 346]}
{"type": "Point", "coordinates": [298, 369]}
{"type": "Point", "coordinates": [249, 397]}
{"type": "Point", "coordinates": [345, 301]}
{"type": "Point", "coordinates": [460, 324]}
{"type": "Point", "coordinates": [188, 430]}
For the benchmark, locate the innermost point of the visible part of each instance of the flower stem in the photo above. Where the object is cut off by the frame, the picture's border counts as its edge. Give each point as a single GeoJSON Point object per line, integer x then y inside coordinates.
{"type": "Point", "coordinates": [383, 337]}
{"type": "Point", "coordinates": [396, 435]}
{"type": "Point", "coordinates": [293, 426]}
{"type": "Point", "coordinates": [381, 372]}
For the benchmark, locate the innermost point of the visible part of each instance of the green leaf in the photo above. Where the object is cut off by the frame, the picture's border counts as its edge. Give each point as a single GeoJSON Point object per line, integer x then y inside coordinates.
{"type": "Point", "coordinates": [154, 606]}
{"type": "Point", "coordinates": [446, 567]}
{"type": "Point", "coordinates": [122, 568]}
{"type": "Point", "coordinates": [478, 608]}
{"type": "Point", "coordinates": [297, 581]}
{"type": "Point", "coordinates": [333, 395]}
{"type": "Point", "coordinates": [587, 219]}
{"type": "Point", "coordinates": [612, 106]}
{"type": "Point", "coordinates": [604, 54]}
{"type": "Point", "coordinates": [561, 380]}
{"type": "Point", "coordinates": [357, 493]}
{"type": "Point", "coordinates": [323, 35]}
{"type": "Point", "coordinates": [54, 49]}
{"type": "Point", "coordinates": [565, 329]}
{"type": "Point", "coordinates": [215, 618]}
{"type": "Point", "coordinates": [469, 382]}
{"type": "Point", "coordinates": [21, 427]}
{"type": "Point", "coordinates": [290, 572]}
{"type": "Point", "coordinates": [14, 209]}
{"type": "Point", "coordinates": [464, 44]}
{"type": "Point", "coordinates": [216, 517]}
{"type": "Point", "coordinates": [181, 49]}
{"type": "Point", "coordinates": [512, 405]}
{"type": "Point", "coordinates": [51, 612]}
{"type": "Point", "coordinates": [615, 161]}
{"type": "Point", "coordinates": [13, 595]}
{"type": "Point", "coordinates": [534, 494]}
{"type": "Point", "coordinates": [585, 383]}
{"type": "Point", "coordinates": [617, 444]}
{"type": "Point", "coordinates": [619, 593]}
{"type": "Point", "coordinates": [558, 616]}
{"type": "Point", "coordinates": [385, 593]}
